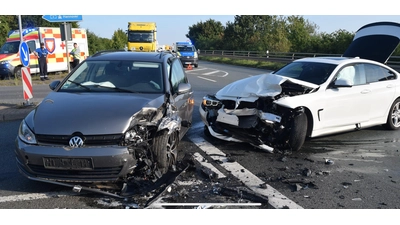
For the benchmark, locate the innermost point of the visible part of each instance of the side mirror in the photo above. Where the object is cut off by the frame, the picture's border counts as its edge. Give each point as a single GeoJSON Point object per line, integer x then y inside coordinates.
{"type": "Point", "coordinates": [54, 84]}
{"type": "Point", "coordinates": [342, 83]}
{"type": "Point", "coordinates": [183, 88]}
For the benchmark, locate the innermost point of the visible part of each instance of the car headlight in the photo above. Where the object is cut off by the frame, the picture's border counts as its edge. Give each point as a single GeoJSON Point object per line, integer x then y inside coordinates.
{"type": "Point", "coordinates": [25, 134]}
{"type": "Point", "coordinates": [210, 102]}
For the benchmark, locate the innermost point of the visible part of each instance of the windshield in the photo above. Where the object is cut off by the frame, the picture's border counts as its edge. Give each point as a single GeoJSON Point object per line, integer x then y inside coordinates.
{"type": "Point", "coordinates": [121, 76]}
{"type": "Point", "coordinates": [10, 48]}
{"type": "Point", "coordinates": [316, 73]}
{"type": "Point", "coordinates": [140, 36]}
{"type": "Point", "coordinates": [185, 49]}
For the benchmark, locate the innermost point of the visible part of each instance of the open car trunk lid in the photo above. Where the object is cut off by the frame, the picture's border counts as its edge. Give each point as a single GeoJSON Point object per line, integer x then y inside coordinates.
{"type": "Point", "coordinates": [375, 41]}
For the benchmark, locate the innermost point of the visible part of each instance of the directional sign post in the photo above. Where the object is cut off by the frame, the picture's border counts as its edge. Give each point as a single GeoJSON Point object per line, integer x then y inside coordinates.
{"type": "Point", "coordinates": [62, 18]}
{"type": "Point", "coordinates": [24, 53]}
{"type": "Point", "coordinates": [65, 19]}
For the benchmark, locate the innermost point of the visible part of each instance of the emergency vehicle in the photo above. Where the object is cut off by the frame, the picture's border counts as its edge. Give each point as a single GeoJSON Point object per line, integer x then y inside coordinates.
{"type": "Point", "coordinates": [142, 36]}
{"type": "Point", "coordinates": [187, 53]}
{"type": "Point", "coordinates": [10, 64]}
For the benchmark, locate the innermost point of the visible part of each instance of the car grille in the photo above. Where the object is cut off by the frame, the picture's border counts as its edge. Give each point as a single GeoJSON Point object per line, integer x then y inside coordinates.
{"type": "Point", "coordinates": [229, 104]}
{"type": "Point", "coordinates": [104, 173]}
{"type": "Point", "coordinates": [89, 140]}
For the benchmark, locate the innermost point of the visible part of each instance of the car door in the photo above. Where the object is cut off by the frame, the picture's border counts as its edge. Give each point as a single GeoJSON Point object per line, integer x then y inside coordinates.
{"type": "Point", "coordinates": [349, 105]}
{"type": "Point", "coordinates": [183, 101]}
{"type": "Point", "coordinates": [381, 82]}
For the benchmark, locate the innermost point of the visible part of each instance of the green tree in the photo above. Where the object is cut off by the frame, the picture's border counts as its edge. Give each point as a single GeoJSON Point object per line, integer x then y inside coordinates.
{"type": "Point", "coordinates": [119, 39]}
{"type": "Point", "coordinates": [206, 35]}
{"type": "Point", "coordinates": [299, 33]}
{"type": "Point", "coordinates": [96, 43]}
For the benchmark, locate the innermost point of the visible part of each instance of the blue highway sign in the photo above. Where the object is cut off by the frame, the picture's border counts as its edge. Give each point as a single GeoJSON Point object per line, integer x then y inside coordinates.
{"type": "Point", "coordinates": [24, 53]}
{"type": "Point", "coordinates": [62, 18]}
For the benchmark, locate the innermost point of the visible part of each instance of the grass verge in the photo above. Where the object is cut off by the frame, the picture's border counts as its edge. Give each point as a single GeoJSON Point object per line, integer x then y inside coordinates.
{"type": "Point", "coordinates": [243, 62]}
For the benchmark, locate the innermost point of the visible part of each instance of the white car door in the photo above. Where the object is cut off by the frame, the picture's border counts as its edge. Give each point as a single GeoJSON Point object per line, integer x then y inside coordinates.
{"type": "Point", "coordinates": [381, 82]}
{"type": "Point", "coordinates": [347, 105]}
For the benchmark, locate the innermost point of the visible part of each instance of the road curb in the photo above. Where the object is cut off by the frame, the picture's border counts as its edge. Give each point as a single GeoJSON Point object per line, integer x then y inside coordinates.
{"type": "Point", "coordinates": [10, 112]}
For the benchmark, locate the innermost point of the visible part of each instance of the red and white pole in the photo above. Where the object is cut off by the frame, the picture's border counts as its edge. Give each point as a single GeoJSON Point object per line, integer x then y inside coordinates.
{"type": "Point", "coordinates": [27, 83]}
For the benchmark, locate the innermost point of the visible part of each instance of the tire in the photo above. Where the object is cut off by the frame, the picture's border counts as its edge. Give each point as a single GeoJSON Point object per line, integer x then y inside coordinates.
{"type": "Point", "coordinates": [298, 132]}
{"type": "Point", "coordinates": [393, 119]}
{"type": "Point", "coordinates": [17, 72]}
{"type": "Point", "coordinates": [165, 150]}
{"type": "Point", "coordinates": [196, 65]}
{"type": "Point", "coordinates": [207, 132]}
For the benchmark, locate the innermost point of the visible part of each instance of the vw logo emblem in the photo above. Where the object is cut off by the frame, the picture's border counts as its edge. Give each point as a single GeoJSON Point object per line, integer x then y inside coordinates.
{"type": "Point", "coordinates": [76, 142]}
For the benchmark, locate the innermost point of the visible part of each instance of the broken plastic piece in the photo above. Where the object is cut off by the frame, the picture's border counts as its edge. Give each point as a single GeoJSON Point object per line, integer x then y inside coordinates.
{"type": "Point", "coordinates": [329, 162]}
{"type": "Point", "coordinates": [77, 188]}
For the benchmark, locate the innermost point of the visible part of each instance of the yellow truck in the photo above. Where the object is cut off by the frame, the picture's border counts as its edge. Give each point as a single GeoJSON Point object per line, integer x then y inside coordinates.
{"type": "Point", "coordinates": [142, 36]}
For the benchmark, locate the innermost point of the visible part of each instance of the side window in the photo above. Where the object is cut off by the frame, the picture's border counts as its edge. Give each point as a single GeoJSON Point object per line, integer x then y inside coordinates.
{"type": "Point", "coordinates": [32, 46]}
{"type": "Point", "coordinates": [376, 73]}
{"type": "Point", "coordinates": [177, 75]}
{"type": "Point", "coordinates": [353, 74]}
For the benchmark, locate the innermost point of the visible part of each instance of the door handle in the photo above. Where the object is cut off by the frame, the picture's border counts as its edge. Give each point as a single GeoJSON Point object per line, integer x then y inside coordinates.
{"type": "Point", "coordinates": [366, 91]}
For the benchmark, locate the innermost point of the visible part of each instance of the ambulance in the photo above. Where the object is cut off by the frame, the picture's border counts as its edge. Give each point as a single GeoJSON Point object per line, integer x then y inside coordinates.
{"type": "Point", "coordinates": [57, 60]}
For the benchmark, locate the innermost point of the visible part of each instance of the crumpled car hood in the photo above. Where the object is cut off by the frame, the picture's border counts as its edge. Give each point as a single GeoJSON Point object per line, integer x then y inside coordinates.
{"type": "Point", "coordinates": [263, 85]}
{"type": "Point", "coordinates": [89, 113]}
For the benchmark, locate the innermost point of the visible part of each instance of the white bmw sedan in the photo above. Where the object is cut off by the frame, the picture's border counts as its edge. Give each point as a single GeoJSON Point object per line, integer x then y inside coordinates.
{"type": "Point", "coordinates": [312, 97]}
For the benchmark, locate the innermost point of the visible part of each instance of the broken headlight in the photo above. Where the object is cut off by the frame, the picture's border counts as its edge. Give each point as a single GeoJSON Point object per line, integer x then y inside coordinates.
{"type": "Point", "coordinates": [136, 135]}
{"type": "Point", "coordinates": [210, 101]}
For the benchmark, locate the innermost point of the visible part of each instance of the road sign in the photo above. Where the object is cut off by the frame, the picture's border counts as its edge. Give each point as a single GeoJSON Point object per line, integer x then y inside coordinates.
{"type": "Point", "coordinates": [62, 18]}
{"type": "Point", "coordinates": [24, 53]}
{"type": "Point", "coordinates": [27, 82]}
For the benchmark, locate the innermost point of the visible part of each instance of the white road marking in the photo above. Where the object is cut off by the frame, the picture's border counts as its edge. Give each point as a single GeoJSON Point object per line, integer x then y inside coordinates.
{"type": "Point", "coordinates": [206, 79]}
{"type": "Point", "coordinates": [187, 71]}
{"type": "Point", "coordinates": [209, 73]}
{"type": "Point", "coordinates": [275, 198]}
{"type": "Point", "coordinates": [208, 165]}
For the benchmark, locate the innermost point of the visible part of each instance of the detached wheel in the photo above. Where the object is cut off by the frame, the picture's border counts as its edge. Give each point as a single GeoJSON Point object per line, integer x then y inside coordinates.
{"type": "Point", "coordinates": [165, 149]}
{"type": "Point", "coordinates": [298, 132]}
{"type": "Point", "coordinates": [393, 119]}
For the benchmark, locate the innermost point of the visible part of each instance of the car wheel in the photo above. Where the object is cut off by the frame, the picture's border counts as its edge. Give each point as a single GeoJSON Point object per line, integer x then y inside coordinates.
{"type": "Point", "coordinates": [393, 119]}
{"type": "Point", "coordinates": [196, 65]}
{"type": "Point", "coordinates": [165, 149]}
{"type": "Point", "coordinates": [17, 72]}
{"type": "Point", "coordinates": [298, 132]}
{"type": "Point", "coordinates": [207, 131]}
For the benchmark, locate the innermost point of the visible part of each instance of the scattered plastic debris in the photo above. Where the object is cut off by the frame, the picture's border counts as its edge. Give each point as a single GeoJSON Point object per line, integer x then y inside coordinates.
{"type": "Point", "coordinates": [356, 199]}
{"type": "Point", "coordinates": [307, 172]}
{"type": "Point", "coordinates": [329, 162]}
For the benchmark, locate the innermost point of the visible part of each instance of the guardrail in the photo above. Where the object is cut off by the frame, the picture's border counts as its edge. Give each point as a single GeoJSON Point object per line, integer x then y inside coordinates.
{"type": "Point", "coordinates": [394, 61]}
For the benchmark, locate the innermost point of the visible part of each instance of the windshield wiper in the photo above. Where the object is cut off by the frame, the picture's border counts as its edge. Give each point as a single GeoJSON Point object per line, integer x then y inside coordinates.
{"type": "Point", "coordinates": [80, 85]}
{"type": "Point", "coordinates": [116, 88]}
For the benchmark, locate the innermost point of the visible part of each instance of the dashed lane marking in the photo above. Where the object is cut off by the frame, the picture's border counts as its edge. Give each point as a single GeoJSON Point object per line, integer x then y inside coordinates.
{"type": "Point", "coordinates": [206, 79]}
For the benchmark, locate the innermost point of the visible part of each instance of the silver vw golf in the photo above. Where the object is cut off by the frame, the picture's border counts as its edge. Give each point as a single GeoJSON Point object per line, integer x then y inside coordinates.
{"type": "Point", "coordinates": [116, 116]}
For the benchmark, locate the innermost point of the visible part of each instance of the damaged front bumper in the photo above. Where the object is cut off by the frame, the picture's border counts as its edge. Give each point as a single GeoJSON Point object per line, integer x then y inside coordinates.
{"type": "Point", "coordinates": [90, 164]}
{"type": "Point", "coordinates": [264, 130]}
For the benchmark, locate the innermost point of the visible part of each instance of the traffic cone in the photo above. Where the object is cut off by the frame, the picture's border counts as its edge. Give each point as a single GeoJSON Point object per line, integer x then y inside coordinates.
{"type": "Point", "coordinates": [189, 67]}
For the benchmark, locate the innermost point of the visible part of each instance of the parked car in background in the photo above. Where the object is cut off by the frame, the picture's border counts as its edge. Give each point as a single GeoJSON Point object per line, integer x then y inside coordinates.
{"type": "Point", "coordinates": [311, 97]}
{"type": "Point", "coordinates": [118, 115]}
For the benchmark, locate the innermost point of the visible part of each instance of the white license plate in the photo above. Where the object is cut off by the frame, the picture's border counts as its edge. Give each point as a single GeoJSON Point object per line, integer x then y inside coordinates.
{"type": "Point", "coordinates": [187, 62]}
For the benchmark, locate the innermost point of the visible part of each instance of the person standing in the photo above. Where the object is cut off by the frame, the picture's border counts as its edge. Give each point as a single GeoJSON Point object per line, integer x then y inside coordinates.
{"type": "Point", "coordinates": [76, 55]}
{"type": "Point", "coordinates": [42, 53]}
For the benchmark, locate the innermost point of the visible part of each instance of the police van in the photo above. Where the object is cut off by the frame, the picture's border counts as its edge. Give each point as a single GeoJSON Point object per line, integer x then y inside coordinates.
{"type": "Point", "coordinates": [187, 53]}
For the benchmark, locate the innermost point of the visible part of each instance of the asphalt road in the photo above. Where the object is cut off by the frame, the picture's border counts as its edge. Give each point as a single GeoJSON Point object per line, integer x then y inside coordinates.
{"type": "Point", "coordinates": [363, 170]}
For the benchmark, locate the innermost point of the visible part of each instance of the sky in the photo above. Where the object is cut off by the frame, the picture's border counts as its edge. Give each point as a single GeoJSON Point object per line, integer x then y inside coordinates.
{"type": "Point", "coordinates": [174, 18]}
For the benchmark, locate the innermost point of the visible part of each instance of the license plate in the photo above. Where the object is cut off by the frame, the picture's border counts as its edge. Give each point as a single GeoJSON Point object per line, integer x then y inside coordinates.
{"type": "Point", "coordinates": [187, 63]}
{"type": "Point", "coordinates": [68, 163]}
